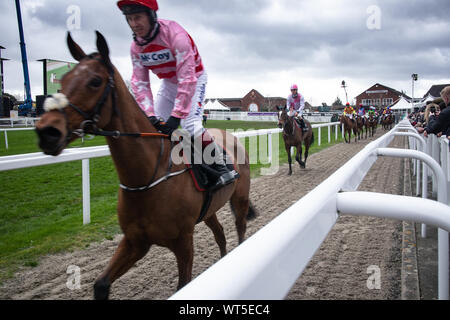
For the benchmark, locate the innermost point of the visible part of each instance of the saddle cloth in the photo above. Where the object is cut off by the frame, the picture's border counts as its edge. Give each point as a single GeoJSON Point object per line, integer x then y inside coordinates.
{"type": "Point", "coordinates": [203, 176]}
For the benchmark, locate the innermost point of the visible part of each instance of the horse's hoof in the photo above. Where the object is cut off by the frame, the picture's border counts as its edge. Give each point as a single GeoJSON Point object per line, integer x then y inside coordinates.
{"type": "Point", "coordinates": [290, 173]}
{"type": "Point", "coordinates": [101, 290]}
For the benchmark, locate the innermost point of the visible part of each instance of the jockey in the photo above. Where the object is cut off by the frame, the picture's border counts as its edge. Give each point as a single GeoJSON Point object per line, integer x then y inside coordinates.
{"type": "Point", "coordinates": [295, 104]}
{"type": "Point", "coordinates": [372, 111]}
{"type": "Point", "coordinates": [387, 111]}
{"type": "Point", "coordinates": [166, 49]}
{"type": "Point", "coordinates": [362, 112]}
{"type": "Point", "coordinates": [349, 111]}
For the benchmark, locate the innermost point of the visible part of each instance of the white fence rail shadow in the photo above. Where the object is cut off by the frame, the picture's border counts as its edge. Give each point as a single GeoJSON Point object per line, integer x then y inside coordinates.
{"type": "Point", "coordinates": [247, 273]}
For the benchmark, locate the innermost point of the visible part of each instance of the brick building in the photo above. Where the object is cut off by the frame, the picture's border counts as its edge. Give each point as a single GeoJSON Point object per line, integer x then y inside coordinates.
{"type": "Point", "coordinates": [379, 96]}
{"type": "Point", "coordinates": [253, 102]}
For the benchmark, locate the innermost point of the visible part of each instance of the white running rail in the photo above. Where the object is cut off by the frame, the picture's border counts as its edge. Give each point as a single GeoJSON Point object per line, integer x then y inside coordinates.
{"type": "Point", "coordinates": [248, 272]}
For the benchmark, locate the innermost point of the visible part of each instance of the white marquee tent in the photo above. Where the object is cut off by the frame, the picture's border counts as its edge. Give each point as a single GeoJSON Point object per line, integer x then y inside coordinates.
{"type": "Point", "coordinates": [215, 105]}
{"type": "Point", "coordinates": [402, 104]}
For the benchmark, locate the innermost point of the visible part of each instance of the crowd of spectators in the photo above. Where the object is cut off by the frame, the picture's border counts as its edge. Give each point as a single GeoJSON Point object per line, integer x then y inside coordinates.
{"type": "Point", "coordinates": [434, 118]}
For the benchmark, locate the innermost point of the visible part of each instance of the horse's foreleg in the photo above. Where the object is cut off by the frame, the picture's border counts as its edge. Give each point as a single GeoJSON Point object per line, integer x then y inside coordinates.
{"type": "Point", "coordinates": [124, 258]}
{"type": "Point", "coordinates": [307, 145]}
{"type": "Point", "coordinates": [288, 151]}
{"type": "Point", "coordinates": [184, 252]}
{"type": "Point", "coordinates": [219, 235]}
{"type": "Point", "coordinates": [299, 156]}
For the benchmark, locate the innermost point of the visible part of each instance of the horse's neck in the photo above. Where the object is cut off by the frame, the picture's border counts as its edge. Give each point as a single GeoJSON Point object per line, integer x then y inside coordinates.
{"type": "Point", "coordinates": [289, 125]}
{"type": "Point", "coordinates": [135, 158]}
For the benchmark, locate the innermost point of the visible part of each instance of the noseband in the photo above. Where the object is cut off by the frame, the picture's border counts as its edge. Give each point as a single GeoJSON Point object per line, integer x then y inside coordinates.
{"type": "Point", "coordinates": [89, 125]}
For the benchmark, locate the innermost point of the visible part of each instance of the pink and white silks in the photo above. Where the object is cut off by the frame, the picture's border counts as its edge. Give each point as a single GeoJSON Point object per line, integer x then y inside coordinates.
{"type": "Point", "coordinates": [296, 104]}
{"type": "Point", "coordinates": [174, 58]}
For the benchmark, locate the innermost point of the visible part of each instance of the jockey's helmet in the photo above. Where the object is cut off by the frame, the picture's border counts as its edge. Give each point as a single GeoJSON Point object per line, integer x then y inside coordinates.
{"type": "Point", "coordinates": [136, 6]}
{"type": "Point", "coordinates": [347, 104]}
{"type": "Point", "coordinates": [294, 87]}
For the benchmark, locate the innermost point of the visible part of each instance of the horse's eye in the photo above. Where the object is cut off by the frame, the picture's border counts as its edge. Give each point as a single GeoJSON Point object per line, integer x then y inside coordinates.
{"type": "Point", "coordinates": [95, 83]}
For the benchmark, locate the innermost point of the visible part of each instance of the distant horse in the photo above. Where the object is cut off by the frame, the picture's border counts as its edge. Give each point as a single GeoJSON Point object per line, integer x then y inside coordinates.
{"type": "Point", "coordinates": [294, 136]}
{"type": "Point", "coordinates": [387, 122]}
{"type": "Point", "coordinates": [349, 126]}
{"type": "Point", "coordinates": [371, 125]}
{"type": "Point", "coordinates": [158, 202]}
{"type": "Point", "coordinates": [360, 124]}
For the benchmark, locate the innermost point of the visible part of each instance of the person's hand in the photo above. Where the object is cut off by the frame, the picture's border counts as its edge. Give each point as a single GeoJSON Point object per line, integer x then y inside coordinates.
{"type": "Point", "coordinates": [155, 122]}
{"type": "Point", "coordinates": [420, 129]}
{"type": "Point", "coordinates": [170, 126]}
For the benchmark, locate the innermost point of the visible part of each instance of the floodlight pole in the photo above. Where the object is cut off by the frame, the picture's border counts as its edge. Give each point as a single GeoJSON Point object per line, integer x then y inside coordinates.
{"type": "Point", "coordinates": [344, 86]}
{"type": "Point", "coordinates": [414, 78]}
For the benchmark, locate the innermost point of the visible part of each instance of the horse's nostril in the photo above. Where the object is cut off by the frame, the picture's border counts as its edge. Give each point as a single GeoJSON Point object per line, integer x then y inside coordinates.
{"type": "Point", "coordinates": [49, 133]}
{"type": "Point", "coordinates": [49, 138]}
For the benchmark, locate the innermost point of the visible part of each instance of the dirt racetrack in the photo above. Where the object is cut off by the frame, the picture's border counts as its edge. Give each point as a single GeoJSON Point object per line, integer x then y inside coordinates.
{"type": "Point", "coordinates": [339, 270]}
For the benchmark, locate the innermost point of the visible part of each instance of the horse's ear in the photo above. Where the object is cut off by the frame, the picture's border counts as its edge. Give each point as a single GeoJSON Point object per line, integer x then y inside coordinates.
{"type": "Point", "coordinates": [103, 49]}
{"type": "Point", "coordinates": [75, 50]}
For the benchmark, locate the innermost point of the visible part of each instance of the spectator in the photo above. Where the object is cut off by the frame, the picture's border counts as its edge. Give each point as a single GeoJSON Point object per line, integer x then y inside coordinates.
{"type": "Point", "coordinates": [441, 122]}
{"type": "Point", "coordinates": [431, 112]}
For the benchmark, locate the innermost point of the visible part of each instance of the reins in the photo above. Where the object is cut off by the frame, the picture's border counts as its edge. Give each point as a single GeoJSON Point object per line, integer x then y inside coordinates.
{"type": "Point", "coordinates": [89, 126]}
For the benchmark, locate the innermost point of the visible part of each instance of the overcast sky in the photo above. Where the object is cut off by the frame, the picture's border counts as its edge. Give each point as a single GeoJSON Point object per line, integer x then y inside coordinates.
{"type": "Point", "coordinates": [265, 45]}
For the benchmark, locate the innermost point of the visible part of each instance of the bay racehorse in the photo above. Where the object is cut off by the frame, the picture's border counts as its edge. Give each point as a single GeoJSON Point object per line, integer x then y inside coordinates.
{"type": "Point", "coordinates": [371, 125]}
{"type": "Point", "coordinates": [360, 124]}
{"type": "Point", "coordinates": [387, 121]}
{"type": "Point", "coordinates": [349, 126]}
{"type": "Point", "coordinates": [94, 99]}
{"type": "Point", "coordinates": [294, 136]}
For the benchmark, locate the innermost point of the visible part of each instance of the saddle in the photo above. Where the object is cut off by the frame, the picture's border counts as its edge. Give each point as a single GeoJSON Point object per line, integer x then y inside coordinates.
{"type": "Point", "coordinates": [205, 177]}
{"type": "Point", "coordinates": [301, 124]}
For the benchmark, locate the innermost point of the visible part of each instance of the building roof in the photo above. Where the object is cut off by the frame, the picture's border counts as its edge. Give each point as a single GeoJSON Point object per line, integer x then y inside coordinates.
{"type": "Point", "coordinates": [400, 94]}
{"type": "Point", "coordinates": [435, 90]}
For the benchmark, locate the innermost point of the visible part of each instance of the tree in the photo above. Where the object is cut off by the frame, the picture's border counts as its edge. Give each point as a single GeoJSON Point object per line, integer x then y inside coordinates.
{"type": "Point", "coordinates": [337, 102]}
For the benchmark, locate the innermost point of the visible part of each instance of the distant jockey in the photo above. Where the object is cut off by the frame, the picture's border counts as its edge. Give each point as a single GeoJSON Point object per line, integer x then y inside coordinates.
{"type": "Point", "coordinates": [295, 105]}
{"type": "Point", "coordinates": [349, 111]}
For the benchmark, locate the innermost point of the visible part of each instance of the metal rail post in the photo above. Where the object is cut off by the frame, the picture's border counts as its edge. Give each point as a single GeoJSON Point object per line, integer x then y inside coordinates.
{"type": "Point", "coordinates": [443, 263]}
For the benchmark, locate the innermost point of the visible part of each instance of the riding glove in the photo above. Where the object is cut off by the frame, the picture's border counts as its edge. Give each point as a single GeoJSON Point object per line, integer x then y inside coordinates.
{"type": "Point", "coordinates": [165, 127]}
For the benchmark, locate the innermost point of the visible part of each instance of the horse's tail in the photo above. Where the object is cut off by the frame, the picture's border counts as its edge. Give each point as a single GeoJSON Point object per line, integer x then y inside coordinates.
{"type": "Point", "coordinates": [251, 214]}
{"type": "Point", "coordinates": [312, 138]}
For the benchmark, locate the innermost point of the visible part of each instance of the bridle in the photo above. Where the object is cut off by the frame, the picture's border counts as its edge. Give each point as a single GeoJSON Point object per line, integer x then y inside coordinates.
{"type": "Point", "coordinates": [90, 126]}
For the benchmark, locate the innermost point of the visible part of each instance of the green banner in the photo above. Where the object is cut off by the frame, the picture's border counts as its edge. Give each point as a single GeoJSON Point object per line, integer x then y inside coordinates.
{"type": "Point", "coordinates": [55, 70]}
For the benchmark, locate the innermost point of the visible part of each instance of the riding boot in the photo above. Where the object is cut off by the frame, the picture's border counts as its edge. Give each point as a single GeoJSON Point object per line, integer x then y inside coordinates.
{"type": "Point", "coordinates": [303, 125]}
{"type": "Point", "coordinates": [219, 165]}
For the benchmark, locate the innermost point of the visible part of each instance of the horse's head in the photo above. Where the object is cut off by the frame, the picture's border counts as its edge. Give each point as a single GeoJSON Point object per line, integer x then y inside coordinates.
{"type": "Point", "coordinates": [282, 117]}
{"type": "Point", "coordinates": [85, 102]}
